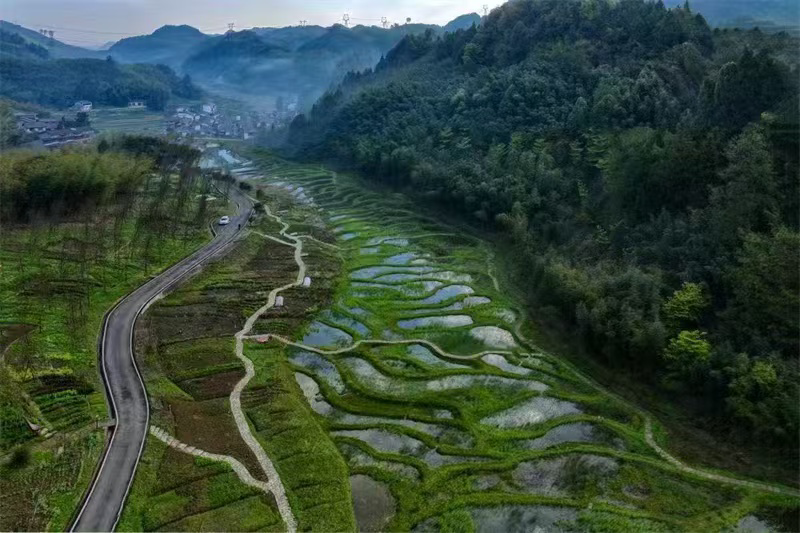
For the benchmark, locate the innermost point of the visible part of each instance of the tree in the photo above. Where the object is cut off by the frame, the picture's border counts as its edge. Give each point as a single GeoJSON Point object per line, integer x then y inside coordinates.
{"type": "Point", "coordinates": [9, 135]}
{"type": "Point", "coordinates": [688, 352]}
{"type": "Point", "coordinates": [471, 57]}
{"type": "Point", "coordinates": [747, 200]}
{"type": "Point", "coordinates": [763, 394]}
{"type": "Point", "coordinates": [686, 304]}
{"type": "Point", "coordinates": [765, 303]}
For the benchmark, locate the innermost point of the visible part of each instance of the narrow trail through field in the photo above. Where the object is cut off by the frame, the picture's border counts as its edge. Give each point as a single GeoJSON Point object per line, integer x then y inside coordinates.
{"type": "Point", "coordinates": [274, 480]}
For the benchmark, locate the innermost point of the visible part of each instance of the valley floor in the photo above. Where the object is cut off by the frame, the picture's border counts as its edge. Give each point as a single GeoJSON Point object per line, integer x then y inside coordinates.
{"type": "Point", "coordinates": [375, 375]}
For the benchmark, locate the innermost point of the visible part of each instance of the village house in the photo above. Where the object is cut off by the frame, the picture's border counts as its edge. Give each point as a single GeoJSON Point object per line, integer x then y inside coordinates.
{"type": "Point", "coordinates": [57, 138]}
{"type": "Point", "coordinates": [38, 125]}
{"type": "Point", "coordinates": [136, 104]}
{"type": "Point", "coordinates": [82, 106]}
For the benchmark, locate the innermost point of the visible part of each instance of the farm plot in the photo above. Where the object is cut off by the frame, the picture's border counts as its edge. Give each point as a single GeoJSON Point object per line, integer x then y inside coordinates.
{"type": "Point", "coordinates": [187, 345]}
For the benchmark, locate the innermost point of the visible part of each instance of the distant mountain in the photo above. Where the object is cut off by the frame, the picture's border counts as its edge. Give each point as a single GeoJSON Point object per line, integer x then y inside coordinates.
{"type": "Point", "coordinates": [293, 61]}
{"type": "Point", "coordinates": [728, 12]}
{"type": "Point", "coordinates": [170, 45]}
{"type": "Point", "coordinates": [290, 37]}
{"type": "Point", "coordinates": [230, 55]}
{"type": "Point", "coordinates": [463, 22]}
{"type": "Point", "coordinates": [55, 48]}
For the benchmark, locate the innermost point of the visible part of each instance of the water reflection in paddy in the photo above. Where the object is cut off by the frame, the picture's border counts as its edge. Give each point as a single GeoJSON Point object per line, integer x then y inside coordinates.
{"type": "Point", "coordinates": [574, 432]}
{"type": "Point", "coordinates": [447, 293]}
{"type": "Point", "coordinates": [343, 320]}
{"type": "Point", "coordinates": [373, 271]}
{"type": "Point", "coordinates": [373, 504]}
{"type": "Point", "coordinates": [311, 391]}
{"type": "Point", "coordinates": [388, 442]}
{"type": "Point", "coordinates": [414, 289]}
{"type": "Point", "coordinates": [466, 303]}
{"type": "Point", "coordinates": [400, 259]}
{"type": "Point", "coordinates": [494, 337]}
{"type": "Point", "coordinates": [394, 241]}
{"type": "Point", "coordinates": [498, 361]}
{"type": "Point", "coordinates": [449, 321]}
{"type": "Point", "coordinates": [372, 377]}
{"type": "Point", "coordinates": [532, 411]}
{"type": "Point", "coordinates": [423, 354]}
{"type": "Point", "coordinates": [320, 334]}
{"type": "Point", "coordinates": [321, 367]}
{"type": "Point", "coordinates": [356, 457]}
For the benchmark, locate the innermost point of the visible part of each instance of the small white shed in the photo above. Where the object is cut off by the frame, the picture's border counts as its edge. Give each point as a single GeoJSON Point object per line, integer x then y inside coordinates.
{"type": "Point", "coordinates": [279, 301]}
{"type": "Point", "coordinates": [306, 281]}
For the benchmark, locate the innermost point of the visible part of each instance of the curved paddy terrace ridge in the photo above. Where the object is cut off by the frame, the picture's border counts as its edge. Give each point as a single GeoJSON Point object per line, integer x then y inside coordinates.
{"type": "Point", "coordinates": [419, 373]}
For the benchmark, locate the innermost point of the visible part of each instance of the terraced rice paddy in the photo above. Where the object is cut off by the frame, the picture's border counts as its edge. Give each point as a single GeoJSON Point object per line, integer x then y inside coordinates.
{"type": "Point", "coordinates": [446, 417]}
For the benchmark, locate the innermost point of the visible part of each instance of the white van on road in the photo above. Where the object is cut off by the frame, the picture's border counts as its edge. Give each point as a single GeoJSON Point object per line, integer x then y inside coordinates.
{"type": "Point", "coordinates": [224, 221]}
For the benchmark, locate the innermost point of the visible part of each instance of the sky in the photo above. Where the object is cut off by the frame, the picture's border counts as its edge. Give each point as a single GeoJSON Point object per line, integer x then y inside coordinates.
{"type": "Point", "coordinates": [94, 22]}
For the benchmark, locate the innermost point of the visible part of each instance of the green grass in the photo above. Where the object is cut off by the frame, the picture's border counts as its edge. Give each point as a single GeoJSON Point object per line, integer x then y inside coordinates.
{"type": "Point", "coordinates": [174, 491]}
{"type": "Point", "coordinates": [310, 467]}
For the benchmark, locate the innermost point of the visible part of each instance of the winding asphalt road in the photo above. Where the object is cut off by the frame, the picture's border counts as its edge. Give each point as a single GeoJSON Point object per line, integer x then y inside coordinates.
{"type": "Point", "coordinates": [102, 506]}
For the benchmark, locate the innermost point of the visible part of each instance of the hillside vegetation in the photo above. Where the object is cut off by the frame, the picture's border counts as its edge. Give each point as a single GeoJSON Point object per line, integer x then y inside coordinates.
{"type": "Point", "coordinates": [645, 169]}
{"type": "Point", "coordinates": [80, 230]}
{"type": "Point", "coordinates": [61, 82]}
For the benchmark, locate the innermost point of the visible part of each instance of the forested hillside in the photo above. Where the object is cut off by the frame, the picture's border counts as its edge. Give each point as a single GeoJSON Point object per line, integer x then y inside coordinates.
{"type": "Point", "coordinates": [645, 167]}
{"type": "Point", "coordinates": [55, 48]}
{"type": "Point", "coordinates": [14, 45]}
{"type": "Point", "coordinates": [61, 82]}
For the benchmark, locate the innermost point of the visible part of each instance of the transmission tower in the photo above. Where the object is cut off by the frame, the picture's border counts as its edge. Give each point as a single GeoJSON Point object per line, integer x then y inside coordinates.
{"type": "Point", "coordinates": [485, 9]}
{"type": "Point", "coordinates": [384, 22]}
{"type": "Point", "coordinates": [303, 23]}
{"type": "Point", "coordinates": [346, 20]}
{"type": "Point", "coordinates": [231, 25]}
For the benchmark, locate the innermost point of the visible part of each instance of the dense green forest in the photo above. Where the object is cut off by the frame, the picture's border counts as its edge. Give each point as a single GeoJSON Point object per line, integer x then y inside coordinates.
{"type": "Point", "coordinates": [61, 82]}
{"type": "Point", "coordinates": [645, 167]}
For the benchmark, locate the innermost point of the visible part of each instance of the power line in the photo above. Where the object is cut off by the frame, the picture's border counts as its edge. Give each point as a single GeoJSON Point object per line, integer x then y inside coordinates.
{"type": "Point", "coordinates": [49, 27]}
{"type": "Point", "coordinates": [96, 32]}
